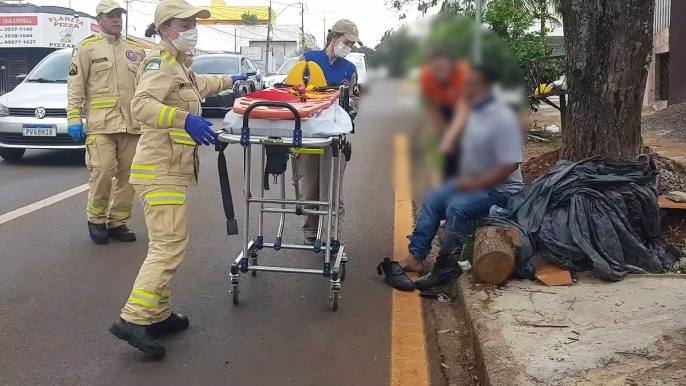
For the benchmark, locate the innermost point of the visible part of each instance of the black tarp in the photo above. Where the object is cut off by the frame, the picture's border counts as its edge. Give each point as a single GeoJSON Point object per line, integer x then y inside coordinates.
{"type": "Point", "coordinates": [593, 214]}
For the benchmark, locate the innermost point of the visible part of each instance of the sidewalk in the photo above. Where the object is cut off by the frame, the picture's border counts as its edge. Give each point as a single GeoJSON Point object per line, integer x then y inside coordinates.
{"type": "Point", "coordinates": [592, 333]}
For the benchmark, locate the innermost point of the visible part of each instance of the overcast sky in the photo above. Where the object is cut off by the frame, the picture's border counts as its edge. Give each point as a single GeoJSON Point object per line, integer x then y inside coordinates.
{"type": "Point", "coordinates": [373, 17]}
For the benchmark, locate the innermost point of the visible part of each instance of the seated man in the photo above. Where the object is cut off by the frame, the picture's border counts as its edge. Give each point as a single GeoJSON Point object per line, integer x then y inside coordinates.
{"type": "Point", "coordinates": [491, 151]}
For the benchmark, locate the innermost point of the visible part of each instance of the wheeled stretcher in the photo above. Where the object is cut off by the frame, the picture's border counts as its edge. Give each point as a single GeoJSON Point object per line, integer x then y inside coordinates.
{"type": "Point", "coordinates": [275, 152]}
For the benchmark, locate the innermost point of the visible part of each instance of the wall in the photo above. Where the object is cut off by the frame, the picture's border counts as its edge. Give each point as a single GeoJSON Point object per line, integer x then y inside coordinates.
{"type": "Point", "coordinates": [660, 45]}
{"type": "Point", "coordinates": [677, 43]}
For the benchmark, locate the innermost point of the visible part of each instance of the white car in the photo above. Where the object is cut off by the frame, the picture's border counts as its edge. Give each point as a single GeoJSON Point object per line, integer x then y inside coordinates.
{"type": "Point", "coordinates": [34, 114]}
{"type": "Point", "coordinates": [360, 61]}
{"type": "Point", "coordinates": [281, 74]}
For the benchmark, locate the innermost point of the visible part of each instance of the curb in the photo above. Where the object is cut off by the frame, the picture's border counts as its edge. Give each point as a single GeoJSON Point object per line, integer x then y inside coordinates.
{"type": "Point", "coordinates": [492, 355]}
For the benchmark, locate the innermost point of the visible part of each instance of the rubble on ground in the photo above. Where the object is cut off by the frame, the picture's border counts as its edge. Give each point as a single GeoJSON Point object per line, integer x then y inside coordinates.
{"type": "Point", "coordinates": [669, 122]}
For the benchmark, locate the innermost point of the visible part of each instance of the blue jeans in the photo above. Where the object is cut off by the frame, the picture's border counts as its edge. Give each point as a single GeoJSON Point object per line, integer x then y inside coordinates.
{"type": "Point", "coordinates": [460, 210]}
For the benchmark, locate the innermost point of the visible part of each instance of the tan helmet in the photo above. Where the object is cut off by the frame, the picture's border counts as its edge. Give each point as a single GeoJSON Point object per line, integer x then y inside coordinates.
{"type": "Point", "coordinates": [348, 29]}
{"type": "Point", "coordinates": [177, 9]}
{"type": "Point", "coordinates": [107, 6]}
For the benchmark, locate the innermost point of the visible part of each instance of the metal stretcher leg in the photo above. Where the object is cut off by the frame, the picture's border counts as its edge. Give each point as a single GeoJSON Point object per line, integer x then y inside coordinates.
{"type": "Point", "coordinates": [329, 210]}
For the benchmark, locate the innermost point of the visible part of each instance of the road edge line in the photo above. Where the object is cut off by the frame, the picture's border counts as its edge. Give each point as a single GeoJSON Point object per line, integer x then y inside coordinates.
{"type": "Point", "coordinates": [409, 366]}
{"type": "Point", "coordinates": [9, 216]}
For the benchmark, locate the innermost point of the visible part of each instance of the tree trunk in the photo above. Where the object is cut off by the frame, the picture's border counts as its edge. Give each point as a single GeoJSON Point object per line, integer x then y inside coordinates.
{"type": "Point", "coordinates": [609, 49]}
{"type": "Point", "coordinates": [543, 7]}
{"type": "Point", "coordinates": [495, 250]}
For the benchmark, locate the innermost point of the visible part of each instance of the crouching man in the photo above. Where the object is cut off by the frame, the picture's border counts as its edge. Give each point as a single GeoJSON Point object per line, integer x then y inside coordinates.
{"type": "Point", "coordinates": [490, 155]}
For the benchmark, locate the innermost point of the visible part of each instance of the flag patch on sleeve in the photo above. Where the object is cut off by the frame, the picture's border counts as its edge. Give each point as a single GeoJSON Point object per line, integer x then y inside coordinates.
{"type": "Point", "coordinates": [153, 66]}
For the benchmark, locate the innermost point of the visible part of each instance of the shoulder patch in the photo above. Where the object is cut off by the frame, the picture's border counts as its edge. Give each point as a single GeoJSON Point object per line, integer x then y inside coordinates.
{"type": "Point", "coordinates": [153, 66]}
{"type": "Point", "coordinates": [73, 69]}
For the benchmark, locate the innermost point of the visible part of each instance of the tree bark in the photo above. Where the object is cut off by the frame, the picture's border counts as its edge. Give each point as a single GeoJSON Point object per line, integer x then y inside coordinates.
{"type": "Point", "coordinates": [495, 250]}
{"type": "Point", "coordinates": [609, 49]}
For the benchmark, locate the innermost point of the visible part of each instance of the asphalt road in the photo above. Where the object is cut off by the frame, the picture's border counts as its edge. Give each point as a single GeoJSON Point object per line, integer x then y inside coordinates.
{"type": "Point", "coordinates": [59, 293]}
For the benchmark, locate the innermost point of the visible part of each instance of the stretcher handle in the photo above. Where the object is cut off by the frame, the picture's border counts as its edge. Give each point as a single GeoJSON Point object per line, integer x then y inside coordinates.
{"type": "Point", "coordinates": [296, 114]}
{"type": "Point", "coordinates": [245, 131]}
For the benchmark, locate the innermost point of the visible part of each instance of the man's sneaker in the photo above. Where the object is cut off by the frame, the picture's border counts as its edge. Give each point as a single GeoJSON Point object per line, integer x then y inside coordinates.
{"type": "Point", "coordinates": [122, 233]}
{"type": "Point", "coordinates": [437, 277]}
{"type": "Point", "coordinates": [98, 233]}
{"type": "Point", "coordinates": [138, 337]}
{"type": "Point", "coordinates": [174, 323]}
{"type": "Point", "coordinates": [394, 275]}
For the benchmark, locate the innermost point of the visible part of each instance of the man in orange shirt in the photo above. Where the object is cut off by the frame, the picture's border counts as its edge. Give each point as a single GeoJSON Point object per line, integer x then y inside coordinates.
{"type": "Point", "coordinates": [442, 81]}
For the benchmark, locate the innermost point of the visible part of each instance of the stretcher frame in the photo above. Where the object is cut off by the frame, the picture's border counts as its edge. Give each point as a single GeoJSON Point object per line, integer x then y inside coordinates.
{"type": "Point", "coordinates": [333, 269]}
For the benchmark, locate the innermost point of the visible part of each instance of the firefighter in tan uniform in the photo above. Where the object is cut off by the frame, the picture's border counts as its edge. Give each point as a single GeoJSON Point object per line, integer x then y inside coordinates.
{"type": "Point", "coordinates": [101, 83]}
{"type": "Point", "coordinates": [167, 104]}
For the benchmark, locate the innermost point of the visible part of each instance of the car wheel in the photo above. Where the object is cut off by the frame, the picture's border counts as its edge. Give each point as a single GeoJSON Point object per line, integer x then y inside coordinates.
{"type": "Point", "coordinates": [12, 154]}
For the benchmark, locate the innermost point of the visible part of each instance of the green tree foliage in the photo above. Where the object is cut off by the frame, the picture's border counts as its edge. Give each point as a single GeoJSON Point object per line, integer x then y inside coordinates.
{"type": "Point", "coordinates": [250, 19]}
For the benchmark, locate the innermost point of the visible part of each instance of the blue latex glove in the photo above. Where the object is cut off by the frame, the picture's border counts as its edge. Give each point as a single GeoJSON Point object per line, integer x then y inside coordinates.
{"type": "Point", "coordinates": [199, 129]}
{"type": "Point", "coordinates": [76, 132]}
{"type": "Point", "coordinates": [236, 78]}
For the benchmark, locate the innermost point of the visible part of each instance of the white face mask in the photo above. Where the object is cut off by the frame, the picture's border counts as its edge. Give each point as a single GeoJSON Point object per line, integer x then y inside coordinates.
{"type": "Point", "coordinates": [342, 50]}
{"type": "Point", "coordinates": [186, 41]}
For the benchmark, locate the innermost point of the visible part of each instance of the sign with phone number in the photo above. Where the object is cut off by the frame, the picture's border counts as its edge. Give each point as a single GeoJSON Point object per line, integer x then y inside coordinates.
{"type": "Point", "coordinates": [44, 30]}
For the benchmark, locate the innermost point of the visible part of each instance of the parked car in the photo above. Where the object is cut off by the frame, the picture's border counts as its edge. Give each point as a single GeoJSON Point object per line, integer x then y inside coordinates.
{"type": "Point", "coordinates": [281, 73]}
{"type": "Point", "coordinates": [360, 61]}
{"type": "Point", "coordinates": [226, 64]}
{"type": "Point", "coordinates": [34, 114]}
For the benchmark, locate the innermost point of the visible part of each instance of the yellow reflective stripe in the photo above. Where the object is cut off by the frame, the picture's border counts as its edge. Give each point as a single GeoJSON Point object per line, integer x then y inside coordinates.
{"type": "Point", "coordinates": [183, 142]}
{"type": "Point", "coordinates": [173, 60]}
{"type": "Point", "coordinates": [95, 209]}
{"type": "Point", "coordinates": [142, 176]}
{"type": "Point", "coordinates": [73, 116]}
{"type": "Point", "coordinates": [171, 116]}
{"type": "Point", "coordinates": [154, 195]}
{"type": "Point", "coordinates": [144, 298]}
{"type": "Point", "coordinates": [92, 42]}
{"type": "Point", "coordinates": [162, 115]}
{"type": "Point", "coordinates": [182, 138]}
{"type": "Point", "coordinates": [119, 215]}
{"type": "Point", "coordinates": [90, 140]}
{"type": "Point", "coordinates": [169, 58]}
{"type": "Point", "coordinates": [166, 202]}
{"type": "Point", "coordinates": [103, 101]}
{"type": "Point", "coordinates": [221, 83]}
{"type": "Point", "coordinates": [138, 167]}
{"type": "Point", "coordinates": [166, 294]}
{"type": "Point", "coordinates": [73, 111]}
{"type": "Point", "coordinates": [144, 172]}
{"type": "Point", "coordinates": [132, 43]}
{"type": "Point", "coordinates": [307, 151]}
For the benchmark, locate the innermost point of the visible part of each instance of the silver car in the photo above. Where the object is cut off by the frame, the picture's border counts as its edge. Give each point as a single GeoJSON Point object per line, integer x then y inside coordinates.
{"type": "Point", "coordinates": [34, 114]}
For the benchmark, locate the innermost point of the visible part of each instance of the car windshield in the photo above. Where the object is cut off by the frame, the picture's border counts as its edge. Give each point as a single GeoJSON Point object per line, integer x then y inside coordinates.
{"type": "Point", "coordinates": [53, 69]}
{"type": "Point", "coordinates": [287, 66]}
{"type": "Point", "coordinates": [216, 65]}
{"type": "Point", "coordinates": [358, 61]}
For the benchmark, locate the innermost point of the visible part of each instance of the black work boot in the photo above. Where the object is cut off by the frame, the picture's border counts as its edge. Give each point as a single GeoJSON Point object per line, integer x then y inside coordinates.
{"type": "Point", "coordinates": [98, 233]}
{"type": "Point", "coordinates": [394, 275]}
{"type": "Point", "coordinates": [442, 273]}
{"type": "Point", "coordinates": [138, 337]}
{"type": "Point", "coordinates": [309, 240]}
{"type": "Point", "coordinates": [122, 233]}
{"type": "Point", "coordinates": [174, 323]}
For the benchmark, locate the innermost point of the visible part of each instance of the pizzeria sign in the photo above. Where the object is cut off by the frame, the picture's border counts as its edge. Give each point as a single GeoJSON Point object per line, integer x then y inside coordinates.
{"type": "Point", "coordinates": [44, 30]}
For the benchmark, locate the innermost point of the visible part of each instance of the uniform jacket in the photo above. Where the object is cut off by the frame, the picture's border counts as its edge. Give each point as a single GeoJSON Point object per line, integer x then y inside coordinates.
{"type": "Point", "coordinates": [168, 91]}
{"type": "Point", "coordinates": [101, 83]}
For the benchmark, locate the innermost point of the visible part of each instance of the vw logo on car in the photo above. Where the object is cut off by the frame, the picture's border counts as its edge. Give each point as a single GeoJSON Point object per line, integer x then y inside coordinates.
{"type": "Point", "coordinates": [40, 113]}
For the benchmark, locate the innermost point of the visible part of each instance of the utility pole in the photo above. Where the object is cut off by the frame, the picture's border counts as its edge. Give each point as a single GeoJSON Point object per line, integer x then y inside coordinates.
{"type": "Point", "coordinates": [302, 24]}
{"type": "Point", "coordinates": [126, 33]}
{"type": "Point", "coordinates": [325, 34]}
{"type": "Point", "coordinates": [269, 29]}
{"type": "Point", "coordinates": [235, 39]}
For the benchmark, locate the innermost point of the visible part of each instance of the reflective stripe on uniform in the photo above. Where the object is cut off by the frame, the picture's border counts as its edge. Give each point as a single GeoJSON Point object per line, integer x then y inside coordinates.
{"type": "Point", "coordinates": [73, 114]}
{"type": "Point", "coordinates": [103, 104]}
{"type": "Point", "coordinates": [146, 172]}
{"type": "Point", "coordinates": [166, 294]}
{"type": "Point", "coordinates": [133, 44]}
{"type": "Point", "coordinates": [95, 210]}
{"type": "Point", "coordinates": [165, 198]}
{"type": "Point", "coordinates": [91, 41]}
{"type": "Point", "coordinates": [169, 58]}
{"type": "Point", "coordinates": [166, 116]}
{"type": "Point", "coordinates": [116, 215]}
{"type": "Point", "coordinates": [144, 298]}
{"type": "Point", "coordinates": [182, 138]}
{"type": "Point", "coordinates": [90, 139]}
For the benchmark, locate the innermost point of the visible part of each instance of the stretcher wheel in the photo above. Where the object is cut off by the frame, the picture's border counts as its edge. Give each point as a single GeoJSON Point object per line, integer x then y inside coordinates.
{"type": "Point", "coordinates": [343, 269]}
{"type": "Point", "coordinates": [234, 293]}
{"type": "Point", "coordinates": [335, 297]}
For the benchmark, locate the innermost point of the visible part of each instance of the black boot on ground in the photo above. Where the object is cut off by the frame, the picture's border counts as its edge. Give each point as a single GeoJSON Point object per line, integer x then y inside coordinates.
{"type": "Point", "coordinates": [441, 274]}
{"type": "Point", "coordinates": [394, 275]}
{"type": "Point", "coordinates": [98, 233]}
{"type": "Point", "coordinates": [174, 323]}
{"type": "Point", "coordinates": [122, 233]}
{"type": "Point", "coordinates": [138, 337]}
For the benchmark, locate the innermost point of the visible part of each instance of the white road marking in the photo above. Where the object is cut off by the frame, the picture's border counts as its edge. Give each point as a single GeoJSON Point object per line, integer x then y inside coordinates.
{"type": "Point", "coordinates": [42, 204]}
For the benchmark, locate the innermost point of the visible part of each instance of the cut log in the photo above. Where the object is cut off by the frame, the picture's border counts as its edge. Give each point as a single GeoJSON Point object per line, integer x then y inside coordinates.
{"type": "Point", "coordinates": [495, 250]}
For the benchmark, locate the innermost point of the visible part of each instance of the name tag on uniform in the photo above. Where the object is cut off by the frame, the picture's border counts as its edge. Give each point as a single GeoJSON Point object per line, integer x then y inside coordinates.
{"type": "Point", "coordinates": [99, 60]}
{"type": "Point", "coordinates": [185, 86]}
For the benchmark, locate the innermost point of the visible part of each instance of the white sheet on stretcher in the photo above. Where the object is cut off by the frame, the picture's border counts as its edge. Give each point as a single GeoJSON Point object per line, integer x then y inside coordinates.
{"type": "Point", "coordinates": [331, 121]}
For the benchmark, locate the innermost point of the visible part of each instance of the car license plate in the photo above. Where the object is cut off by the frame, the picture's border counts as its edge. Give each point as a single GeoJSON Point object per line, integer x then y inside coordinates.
{"type": "Point", "coordinates": [39, 131]}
